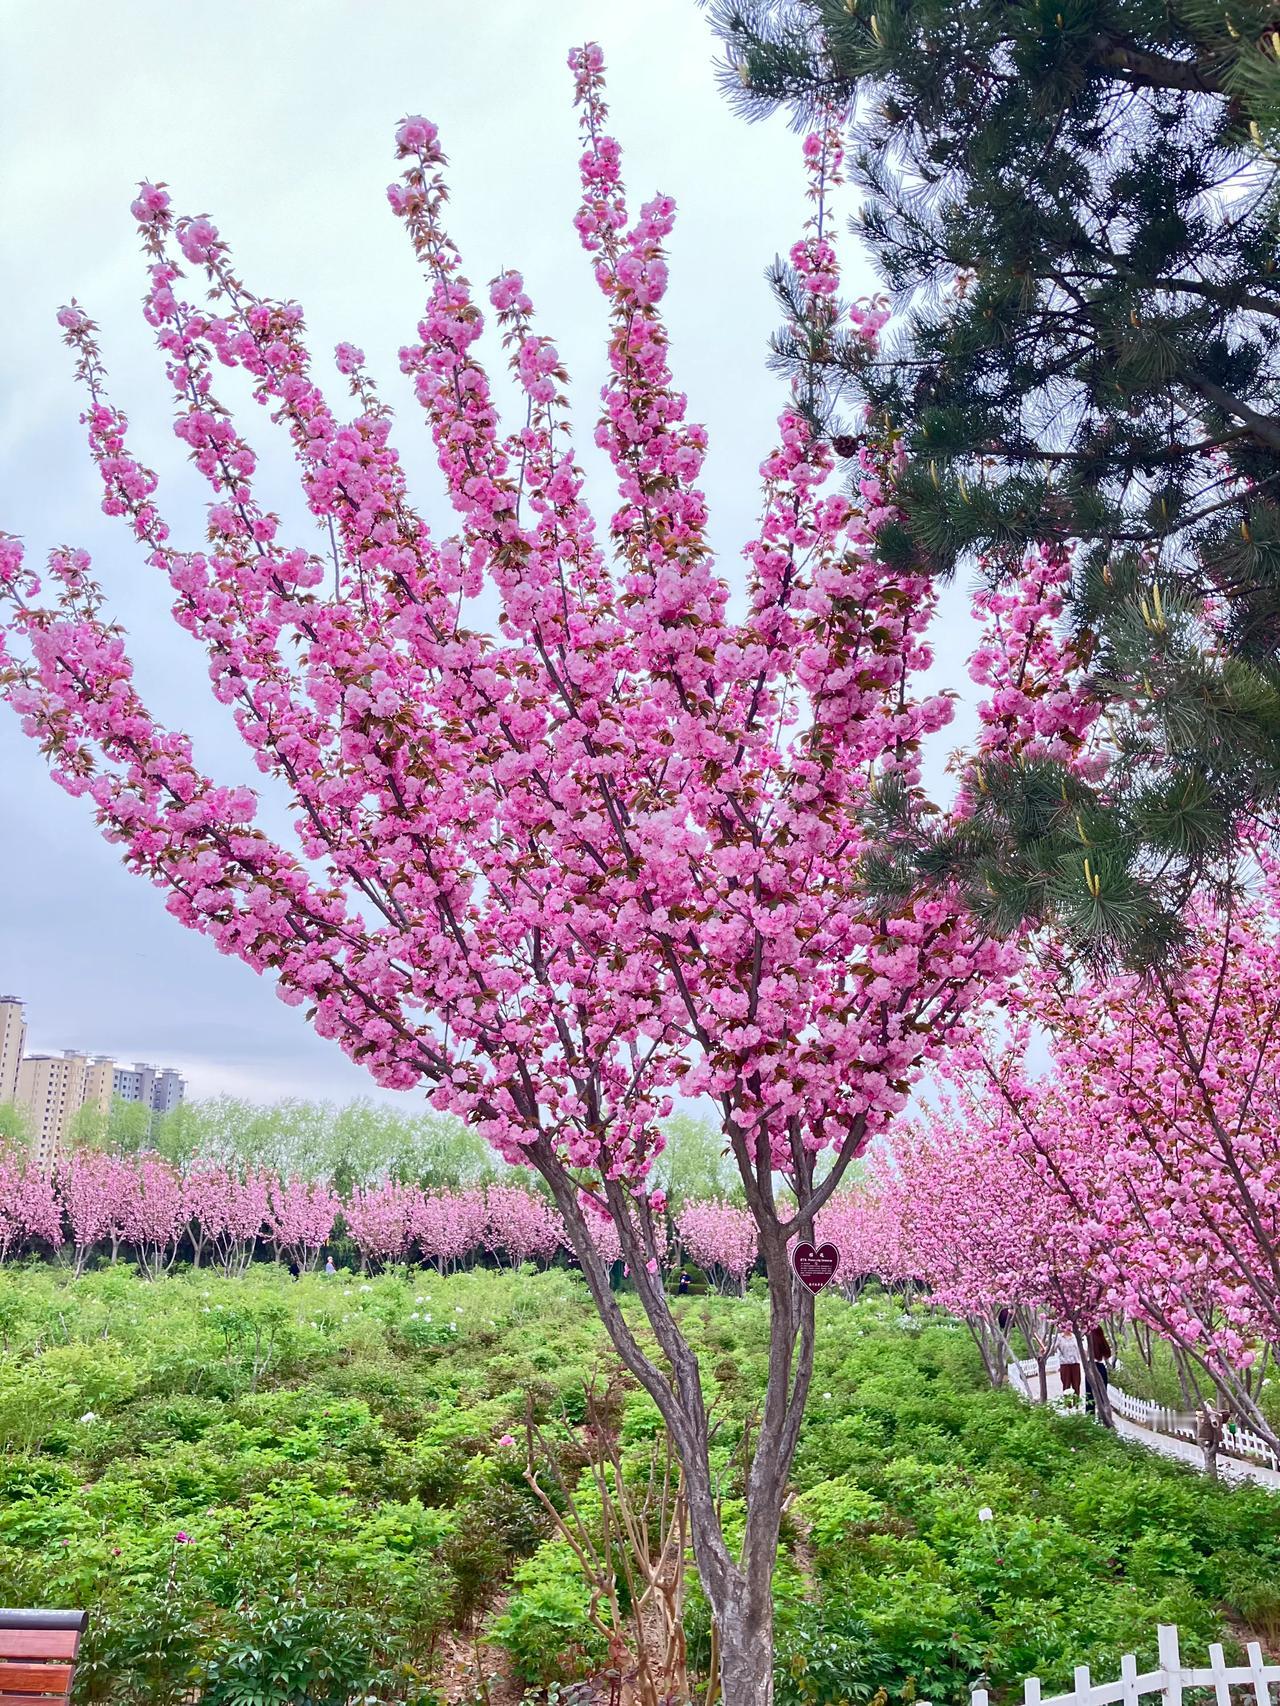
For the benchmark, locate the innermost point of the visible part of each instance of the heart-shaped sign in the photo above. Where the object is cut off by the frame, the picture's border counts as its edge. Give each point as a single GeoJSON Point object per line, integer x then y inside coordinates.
{"type": "Point", "coordinates": [815, 1268]}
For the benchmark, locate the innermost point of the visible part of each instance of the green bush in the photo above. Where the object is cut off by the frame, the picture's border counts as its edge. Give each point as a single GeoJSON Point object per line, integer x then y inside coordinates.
{"type": "Point", "coordinates": [828, 1657]}
{"type": "Point", "coordinates": [546, 1628]}
{"type": "Point", "coordinates": [292, 1653]}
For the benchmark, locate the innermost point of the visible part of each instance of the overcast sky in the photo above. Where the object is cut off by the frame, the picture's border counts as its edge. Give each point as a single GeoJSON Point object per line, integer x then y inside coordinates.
{"type": "Point", "coordinates": [276, 119]}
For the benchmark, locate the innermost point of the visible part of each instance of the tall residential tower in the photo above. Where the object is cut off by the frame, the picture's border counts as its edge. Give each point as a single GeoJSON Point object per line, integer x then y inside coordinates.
{"type": "Point", "coordinates": [53, 1089]}
{"type": "Point", "coordinates": [13, 1037]}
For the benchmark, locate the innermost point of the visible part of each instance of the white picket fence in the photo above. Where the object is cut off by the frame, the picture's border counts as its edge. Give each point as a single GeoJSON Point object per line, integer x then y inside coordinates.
{"type": "Point", "coordinates": [1148, 1414]}
{"type": "Point", "coordinates": [1170, 1680]}
{"type": "Point", "coordinates": [1236, 1440]}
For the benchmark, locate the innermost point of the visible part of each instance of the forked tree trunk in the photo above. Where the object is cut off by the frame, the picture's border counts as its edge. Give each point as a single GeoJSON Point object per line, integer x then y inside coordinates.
{"type": "Point", "coordinates": [739, 1589]}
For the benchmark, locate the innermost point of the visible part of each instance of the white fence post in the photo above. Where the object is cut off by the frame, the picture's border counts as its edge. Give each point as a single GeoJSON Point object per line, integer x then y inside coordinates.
{"type": "Point", "coordinates": [1258, 1676]}
{"type": "Point", "coordinates": [1129, 1680]}
{"type": "Point", "coordinates": [1170, 1664]}
{"type": "Point", "coordinates": [1218, 1673]}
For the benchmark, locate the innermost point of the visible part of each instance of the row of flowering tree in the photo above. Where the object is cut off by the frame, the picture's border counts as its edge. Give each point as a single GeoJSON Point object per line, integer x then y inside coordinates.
{"type": "Point", "coordinates": [98, 1203]}
{"type": "Point", "coordinates": [1112, 1152]}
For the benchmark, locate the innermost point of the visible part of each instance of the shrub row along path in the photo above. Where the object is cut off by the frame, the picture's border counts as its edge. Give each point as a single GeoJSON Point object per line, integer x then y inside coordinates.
{"type": "Point", "coordinates": [1024, 1382]}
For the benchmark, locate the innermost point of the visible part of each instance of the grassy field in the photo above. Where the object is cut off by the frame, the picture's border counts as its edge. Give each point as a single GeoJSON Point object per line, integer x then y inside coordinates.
{"type": "Point", "coordinates": [268, 1490]}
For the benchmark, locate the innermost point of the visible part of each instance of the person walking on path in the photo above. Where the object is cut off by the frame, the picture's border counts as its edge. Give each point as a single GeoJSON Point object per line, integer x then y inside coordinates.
{"type": "Point", "coordinates": [1069, 1364]}
{"type": "Point", "coordinates": [1097, 1376]}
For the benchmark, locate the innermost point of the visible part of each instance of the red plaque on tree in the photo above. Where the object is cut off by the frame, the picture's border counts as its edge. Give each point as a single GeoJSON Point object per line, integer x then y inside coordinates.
{"type": "Point", "coordinates": [815, 1268]}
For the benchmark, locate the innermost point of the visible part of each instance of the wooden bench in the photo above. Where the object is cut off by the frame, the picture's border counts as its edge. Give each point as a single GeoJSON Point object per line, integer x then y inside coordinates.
{"type": "Point", "coordinates": [38, 1655]}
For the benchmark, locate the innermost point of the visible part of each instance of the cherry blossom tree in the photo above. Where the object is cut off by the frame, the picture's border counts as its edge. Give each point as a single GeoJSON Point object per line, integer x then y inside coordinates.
{"type": "Point", "coordinates": [990, 1235]}
{"type": "Point", "coordinates": [1156, 1127]}
{"type": "Point", "coordinates": [447, 1226]}
{"type": "Point", "coordinates": [555, 873]}
{"type": "Point", "coordinates": [520, 1226]}
{"type": "Point", "coordinates": [852, 1223]}
{"type": "Point", "coordinates": [242, 1216]}
{"type": "Point", "coordinates": [1135, 1175]}
{"type": "Point", "coordinates": [97, 1191]}
{"type": "Point", "coordinates": [300, 1218]}
{"type": "Point", "coordinates": [379, 1219]}
{"type": "Point", "coordinates": [30, 1210]}
{"type": "Point", "coordinates": [154, 1214]}
{"type": "Point", "coordinates": [205, 1191]}
{"type": "Point", "coordinates": [722, 1241]}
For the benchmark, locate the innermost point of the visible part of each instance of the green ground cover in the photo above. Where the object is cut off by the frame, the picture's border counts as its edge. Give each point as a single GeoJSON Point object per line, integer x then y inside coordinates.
{"type": "Point", "coordinates": [270, 1490]}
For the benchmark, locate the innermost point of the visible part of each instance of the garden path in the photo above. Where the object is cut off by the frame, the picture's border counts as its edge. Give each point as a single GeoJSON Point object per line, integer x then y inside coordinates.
{"type": "Point", "coordinates": [1181, 1450]}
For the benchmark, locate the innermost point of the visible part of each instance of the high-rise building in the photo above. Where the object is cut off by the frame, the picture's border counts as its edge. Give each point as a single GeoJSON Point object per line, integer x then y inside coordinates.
{"type": "Point", "coordinates": [159, 1087]}
{"type": "Point", "coordinates": [53, 1088]}
{"type": "Point", "coordinates": [13, 1037]}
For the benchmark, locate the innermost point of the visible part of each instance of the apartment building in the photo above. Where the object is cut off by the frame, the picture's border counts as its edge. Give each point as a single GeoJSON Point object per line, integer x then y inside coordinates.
{"type": "Point", "coordinates": [159, 1087]}
{"type": "Point", "coordinates": [13, 1039]}
{"type": "Point", "coordinates": [53, 1088]}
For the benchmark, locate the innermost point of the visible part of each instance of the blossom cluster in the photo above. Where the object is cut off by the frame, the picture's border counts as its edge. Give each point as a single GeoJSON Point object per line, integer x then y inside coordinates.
{"type": "Point", "coordinates": [1037, 703]}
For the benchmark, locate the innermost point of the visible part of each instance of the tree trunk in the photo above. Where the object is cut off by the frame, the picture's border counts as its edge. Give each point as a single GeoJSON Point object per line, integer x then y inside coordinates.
{"type": "Point", "coordinates": [738, 1592]}
{"type": "Point", "coordinates": [746, 1653]}
{"type": "Point", "coordinates": [1190, 1395]}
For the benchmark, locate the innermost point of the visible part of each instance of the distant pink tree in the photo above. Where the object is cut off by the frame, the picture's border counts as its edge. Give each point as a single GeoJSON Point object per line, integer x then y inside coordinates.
{"type": "Point", "coordinates": [98, 1191]}
{"type": "Point", "coordinates": [379, 1219]}
{"type": "Point", "coordinates": [851, 1222]}
{"type": "Point", "coordinates": [154, 1212]}
{"type": "Point", "coordinates": [30, 1210]}
{"type": "Point", "coordinates": [300, 1218]}
{"type": "Point", "coordinates": [980, 1230]}
{"type": "Point", "coordinates": [445, 1227]}
{"type": "Point", "coordinates": [205, 1205]}
{"type": "Point", "coordinates": [243, 1217]}
{"type": "Point", "coordinates": [881, 1227]}
{"type": "Point", "coordinates": [520, 1225]}
{"type": "Point", "coordinates": [723, 1241]}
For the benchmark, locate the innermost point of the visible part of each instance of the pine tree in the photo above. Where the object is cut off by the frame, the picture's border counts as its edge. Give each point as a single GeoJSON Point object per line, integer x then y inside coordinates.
{"type": "Point", "coordinates": [1073, 204]}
